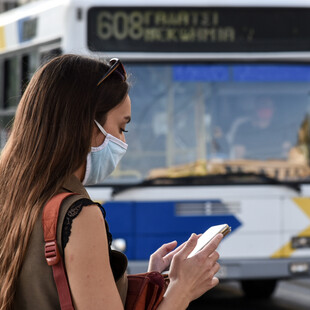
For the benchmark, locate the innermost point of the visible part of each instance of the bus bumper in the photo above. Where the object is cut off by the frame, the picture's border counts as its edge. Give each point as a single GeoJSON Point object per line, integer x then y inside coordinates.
{"type": "Point", "coordinates": [239, 269]}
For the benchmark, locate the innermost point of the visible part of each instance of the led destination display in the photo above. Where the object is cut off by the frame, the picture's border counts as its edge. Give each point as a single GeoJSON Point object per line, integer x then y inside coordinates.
{"type": "Point", "coordinates": [144, 29]}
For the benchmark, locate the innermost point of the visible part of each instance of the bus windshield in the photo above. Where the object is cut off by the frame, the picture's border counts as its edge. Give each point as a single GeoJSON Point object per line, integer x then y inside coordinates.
{"type": "Point", "coordinates": [201, 119]}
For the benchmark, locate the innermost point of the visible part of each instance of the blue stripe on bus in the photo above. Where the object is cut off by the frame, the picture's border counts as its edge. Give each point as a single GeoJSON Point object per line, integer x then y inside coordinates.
{"type": "Point", "coordinates": [147, 225]}
{"type": "Point", "coordinates": [21, 29]}
{"type": "Point", "coordinates": [241, 73]}
{"type": "Point", "coordinates": [271, 73]}
{"type": "Point", "coordinates": [214, 73]}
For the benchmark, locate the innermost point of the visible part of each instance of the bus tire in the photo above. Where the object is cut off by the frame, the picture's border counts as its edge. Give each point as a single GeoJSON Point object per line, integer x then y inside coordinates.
{"type": "Point", "coordinates": [258, 288]}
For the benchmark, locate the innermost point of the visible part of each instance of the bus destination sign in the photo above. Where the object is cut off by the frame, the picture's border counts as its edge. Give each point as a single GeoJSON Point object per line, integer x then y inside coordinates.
{"type": "Point", "coordinates": [137, 29]}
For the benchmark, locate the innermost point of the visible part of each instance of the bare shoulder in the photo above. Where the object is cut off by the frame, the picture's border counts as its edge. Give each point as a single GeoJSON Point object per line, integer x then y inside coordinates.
{"type": "Point", "coordinates": [87, 262]}
{"type": "Point", "coordinates": [88, 229]}
{"type": "Point", "coordinates": [91, 213]}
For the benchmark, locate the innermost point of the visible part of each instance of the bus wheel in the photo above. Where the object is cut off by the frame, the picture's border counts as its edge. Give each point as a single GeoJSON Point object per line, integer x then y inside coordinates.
{"type": "Point", "coordinates": [258, 288]}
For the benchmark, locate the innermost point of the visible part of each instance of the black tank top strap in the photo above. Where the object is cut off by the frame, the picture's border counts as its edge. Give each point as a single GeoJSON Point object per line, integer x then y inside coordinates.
{"type": "Point", "coordinates": [73, 212]}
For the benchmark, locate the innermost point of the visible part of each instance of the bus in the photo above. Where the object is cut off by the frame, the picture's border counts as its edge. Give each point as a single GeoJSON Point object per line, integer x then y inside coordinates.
{"type": "Point", "coordinates": [220, 96]}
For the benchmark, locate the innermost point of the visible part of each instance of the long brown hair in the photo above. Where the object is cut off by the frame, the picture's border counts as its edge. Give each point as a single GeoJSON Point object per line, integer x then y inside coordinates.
{"type": "Point", "coordinates": [50, 139]}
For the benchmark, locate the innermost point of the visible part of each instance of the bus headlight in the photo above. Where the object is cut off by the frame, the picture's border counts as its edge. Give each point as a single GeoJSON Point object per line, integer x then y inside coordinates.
{"type": "Point", "coordinates": [299, 268]}
{"type": "Point", "coordinates": [300, 242]}
{"type": "Point", "coordinates": [119, 245]}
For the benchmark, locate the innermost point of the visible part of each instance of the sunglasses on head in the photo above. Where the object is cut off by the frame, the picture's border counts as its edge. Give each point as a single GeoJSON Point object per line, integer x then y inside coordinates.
{"type": "Point", "coordinates": [117, 66]}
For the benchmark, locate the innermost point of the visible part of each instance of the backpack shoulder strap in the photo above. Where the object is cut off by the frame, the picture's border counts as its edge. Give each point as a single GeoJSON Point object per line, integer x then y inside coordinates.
{"type": "Point", "coordinates": [52, 255]}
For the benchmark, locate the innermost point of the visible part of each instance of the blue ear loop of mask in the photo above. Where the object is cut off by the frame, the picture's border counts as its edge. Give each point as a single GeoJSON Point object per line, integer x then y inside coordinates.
{"type": "Point", "coordinates": [102, 160]}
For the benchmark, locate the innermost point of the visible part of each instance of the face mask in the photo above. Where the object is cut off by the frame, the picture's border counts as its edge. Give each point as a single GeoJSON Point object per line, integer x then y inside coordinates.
{"type": "Point", "coordinates": [103, 159]}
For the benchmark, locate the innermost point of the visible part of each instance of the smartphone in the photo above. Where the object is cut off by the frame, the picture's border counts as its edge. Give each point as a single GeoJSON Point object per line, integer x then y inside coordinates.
{"type": "Point", "coordinates": [208, 235]}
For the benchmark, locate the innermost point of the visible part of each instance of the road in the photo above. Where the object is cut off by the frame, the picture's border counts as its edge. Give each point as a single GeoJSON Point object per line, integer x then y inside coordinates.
{"type": "Point", "coordinates": [289, 295]}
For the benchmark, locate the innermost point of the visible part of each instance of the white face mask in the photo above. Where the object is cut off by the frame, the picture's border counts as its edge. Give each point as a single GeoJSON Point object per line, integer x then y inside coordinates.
{"type": "Point", "coordinates": [103, 159]}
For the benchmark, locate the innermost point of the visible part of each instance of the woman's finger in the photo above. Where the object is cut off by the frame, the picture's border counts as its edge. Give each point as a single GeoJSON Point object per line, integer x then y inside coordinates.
{"type": "Point", "coordinates": [215, 256]}
{"type": "Point", "coordinates": [165, 249]}
{"type": "Point", "coordinates": [211, 246]}
{"type": "Point", "coordinates": [215, 281]}
{"type": "Point", "coordinates": [175, 251]}
{"type": "Point", "coordinates": [189, 246]}
{"type": "Point", "coordinates": [217, 268]}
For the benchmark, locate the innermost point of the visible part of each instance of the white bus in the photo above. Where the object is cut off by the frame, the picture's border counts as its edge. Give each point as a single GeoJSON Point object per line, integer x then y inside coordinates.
{"type": "Point", "coordinates": [220, 131]}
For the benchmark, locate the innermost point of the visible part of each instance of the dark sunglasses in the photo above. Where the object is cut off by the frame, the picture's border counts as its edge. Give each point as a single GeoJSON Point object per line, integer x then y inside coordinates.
{"type": "Point", "coordinates": [117, 66]}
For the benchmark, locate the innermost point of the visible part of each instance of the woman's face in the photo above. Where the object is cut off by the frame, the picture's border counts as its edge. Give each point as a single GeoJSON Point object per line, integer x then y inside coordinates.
{"type": "Point", "coordinates": [116, 122]}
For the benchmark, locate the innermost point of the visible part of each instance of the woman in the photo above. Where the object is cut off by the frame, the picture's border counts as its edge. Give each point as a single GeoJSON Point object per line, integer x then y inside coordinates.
{"type": "Point", "coordinates": [68, 130]}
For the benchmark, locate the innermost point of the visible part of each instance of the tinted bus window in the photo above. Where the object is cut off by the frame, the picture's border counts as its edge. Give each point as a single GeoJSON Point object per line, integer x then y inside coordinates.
{"type": "Point", "coordinates": [11, 83]}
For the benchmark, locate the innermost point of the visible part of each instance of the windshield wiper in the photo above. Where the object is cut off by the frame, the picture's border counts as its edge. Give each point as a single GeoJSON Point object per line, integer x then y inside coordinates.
{"type": "Point", "coordinates": [231, 178]}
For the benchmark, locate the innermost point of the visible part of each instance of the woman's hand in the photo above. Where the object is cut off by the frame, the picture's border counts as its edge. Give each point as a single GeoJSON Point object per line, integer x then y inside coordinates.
{"type": "Point", "coordinates": [161, 259]}
{"type": "Point", "coordinates": [191, 277]}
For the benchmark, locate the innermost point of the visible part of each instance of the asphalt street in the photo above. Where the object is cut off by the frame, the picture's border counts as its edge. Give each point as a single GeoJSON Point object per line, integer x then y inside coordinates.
{"type": "Point", "coordinates": [289, 295]}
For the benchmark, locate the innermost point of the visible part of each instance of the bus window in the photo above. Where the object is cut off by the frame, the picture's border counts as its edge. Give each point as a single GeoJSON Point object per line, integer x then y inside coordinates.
{"type": "Point", "coordinates": [25, 72]}
{"type": "Point", "coordinates": [11, 83]}
{"type": "Point", "coordinates": [28, 66]}
{"type": "Point", "coordinates": [186, 114]}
